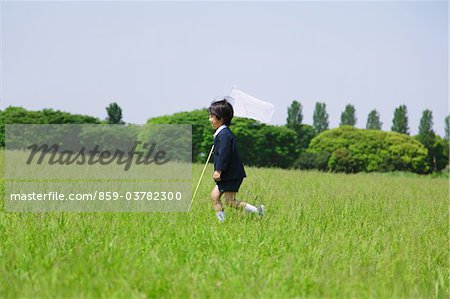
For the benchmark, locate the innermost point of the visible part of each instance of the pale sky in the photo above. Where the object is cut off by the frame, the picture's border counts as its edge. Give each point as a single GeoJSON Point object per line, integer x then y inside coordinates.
{"type": "Point", "coordinates": [156, 58]}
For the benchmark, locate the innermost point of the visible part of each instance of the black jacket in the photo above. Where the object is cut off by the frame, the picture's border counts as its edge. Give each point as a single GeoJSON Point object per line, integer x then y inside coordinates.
{"type": "Point", "coordinates": [226, 156]}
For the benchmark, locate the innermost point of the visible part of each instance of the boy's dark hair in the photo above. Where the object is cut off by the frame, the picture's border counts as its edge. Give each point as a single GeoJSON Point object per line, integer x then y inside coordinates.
{"type": "Point", "coordinates": [222, 110]}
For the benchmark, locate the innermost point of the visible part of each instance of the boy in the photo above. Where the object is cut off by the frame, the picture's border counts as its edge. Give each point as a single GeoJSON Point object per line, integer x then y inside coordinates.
{"type": "Point", "coordinates": [228, 169]}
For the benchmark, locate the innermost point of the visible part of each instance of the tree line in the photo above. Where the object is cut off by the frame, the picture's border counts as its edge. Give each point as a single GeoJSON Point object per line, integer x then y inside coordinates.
{"type": "Point", "coordinates": [295, 144]}
{"type": "Point", "coordinates": [436, 147]}
{"type": "Point", "coordinates": [348, 118]}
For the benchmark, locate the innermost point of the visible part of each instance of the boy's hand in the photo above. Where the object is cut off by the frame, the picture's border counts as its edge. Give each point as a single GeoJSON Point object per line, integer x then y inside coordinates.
{"type": "Point", "coordinates": [216, 175]}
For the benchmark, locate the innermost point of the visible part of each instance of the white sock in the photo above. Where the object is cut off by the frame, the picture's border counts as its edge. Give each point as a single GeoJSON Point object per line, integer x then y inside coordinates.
{"type": "Point", "coordinates": [251, 209]}
{"type": "Point", "coordinates": [220, 216]}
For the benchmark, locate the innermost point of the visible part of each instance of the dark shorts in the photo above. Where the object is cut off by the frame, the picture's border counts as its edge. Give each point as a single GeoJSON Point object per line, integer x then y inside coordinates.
{"type": "Point", "coordinates": [229, 186]}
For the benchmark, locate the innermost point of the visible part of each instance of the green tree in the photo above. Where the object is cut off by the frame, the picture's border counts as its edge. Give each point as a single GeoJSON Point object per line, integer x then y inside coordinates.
{"type": "Point", "coordinates": [373, 121]}
{"type": "Point", "coordinates": [441, 149]}
{"type": "Point", "coordinates": [295, 115]}
{"type": "Point", "coordinates": [114, 114]}
{"type": "Point", "coordinates": [249, 138]}
{"type": "Point", "coordinates": [426, 123]}
{"type": "Point", "coordinates": [320, 118]}
{"type": "Point", "coordinates": [277, 148]}
{"type": "Point", "coordinates": [294, 121]}
{"type": "Point", "coordinates": [446, 141]}
{"type": "Point", "coordinates": [202, 132]}
{"type": "Point", "coordinates": [348, 117]}
{"type": "Point", "coordinates": [400, 121]}
{"type": "Point", "coordinates": [447, 127]}
{"type": "Point", "coordinates": [19, 115]}
{"type": "Point", "coordinates": [305, 133]}
{"type": "Point", "coordinates": [430, 140]}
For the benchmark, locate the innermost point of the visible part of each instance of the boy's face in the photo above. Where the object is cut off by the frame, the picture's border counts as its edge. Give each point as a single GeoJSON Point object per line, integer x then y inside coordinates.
{"type": "Point", "coordinates": [215, 122]}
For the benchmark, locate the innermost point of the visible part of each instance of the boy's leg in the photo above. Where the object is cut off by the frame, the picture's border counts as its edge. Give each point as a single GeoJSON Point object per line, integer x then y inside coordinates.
{"type": "Point", "coordinates": [215, 197]}
{"type": "Point", "coordinates": [230, 200]}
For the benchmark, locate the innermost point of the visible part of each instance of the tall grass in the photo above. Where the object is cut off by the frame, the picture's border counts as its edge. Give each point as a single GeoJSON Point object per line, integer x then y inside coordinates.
{"type": "Point", "coordinates": [324, 235]}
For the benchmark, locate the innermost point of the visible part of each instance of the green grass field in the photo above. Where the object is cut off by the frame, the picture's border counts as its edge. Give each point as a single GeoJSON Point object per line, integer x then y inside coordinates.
{"type": "Point", "coordinates": [324, 236]}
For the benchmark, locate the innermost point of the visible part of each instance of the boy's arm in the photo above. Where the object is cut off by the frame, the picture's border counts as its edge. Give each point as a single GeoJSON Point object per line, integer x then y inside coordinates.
{"type": "Point", "coordinates": [224, 152]}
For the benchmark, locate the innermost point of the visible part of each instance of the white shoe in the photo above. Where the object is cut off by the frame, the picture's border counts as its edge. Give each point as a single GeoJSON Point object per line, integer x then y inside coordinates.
{"type": "Point", "coordinates": [261, 210]}
{"type": "Point", "coordinates": [220, 216]}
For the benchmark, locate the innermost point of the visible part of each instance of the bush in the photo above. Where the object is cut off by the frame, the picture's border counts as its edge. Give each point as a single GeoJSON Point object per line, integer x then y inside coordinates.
{"type": "Point", "coordinates": [308, 160]}
{"type": "Point", "coordinates": [341, 160]}
{"type": "Point", "coordinates": [354, 150]}
{"type": "Point", "coordinates": [19, 115]}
